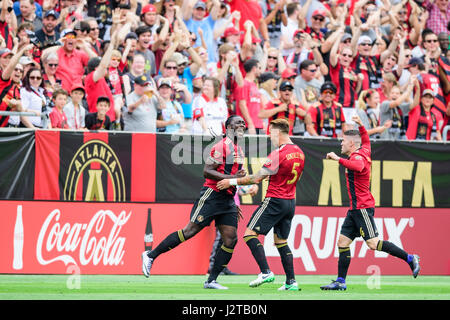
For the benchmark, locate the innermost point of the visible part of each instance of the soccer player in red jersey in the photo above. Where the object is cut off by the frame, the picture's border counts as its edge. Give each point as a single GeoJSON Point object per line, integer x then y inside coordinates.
{"type": "Point", "coordinates": [360, 218]}
{"type": "Point", "coordinates": [225, 161]}
{"type": "Point", "coordinates": [284, 166]}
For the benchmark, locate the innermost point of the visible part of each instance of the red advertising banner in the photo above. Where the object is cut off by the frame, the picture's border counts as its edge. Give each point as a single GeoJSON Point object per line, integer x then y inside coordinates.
{"type": "Point", "coordinates": [108, 238]}
{"type": "Point", "coordinates": [97, 238]}
{"type": "Point", "coordinates": [314, 234]}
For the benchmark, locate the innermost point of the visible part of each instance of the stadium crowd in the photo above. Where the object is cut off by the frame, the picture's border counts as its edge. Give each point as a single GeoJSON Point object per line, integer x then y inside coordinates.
{"type": "Point", "coordinates": [185, 65]}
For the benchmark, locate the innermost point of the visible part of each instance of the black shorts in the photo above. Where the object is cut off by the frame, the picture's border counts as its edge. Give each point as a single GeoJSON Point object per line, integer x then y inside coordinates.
{"type": "Point", "coordinates": [273, 213]}
{"type": "Point", "coordinates": [360, 223]}
{"type": "Point", "coordinates": [212, 205]}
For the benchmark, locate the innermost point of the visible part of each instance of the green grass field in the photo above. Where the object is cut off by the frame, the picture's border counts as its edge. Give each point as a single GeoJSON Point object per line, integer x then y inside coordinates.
{"type": "Point", "coordinates": [158, 287]}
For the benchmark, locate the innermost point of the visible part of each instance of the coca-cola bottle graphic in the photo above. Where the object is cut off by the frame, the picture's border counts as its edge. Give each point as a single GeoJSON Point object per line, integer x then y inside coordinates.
{"type": "Point", "coordinates": [18, 241]}
{"type": "Point", "coordinates": [148, 238]}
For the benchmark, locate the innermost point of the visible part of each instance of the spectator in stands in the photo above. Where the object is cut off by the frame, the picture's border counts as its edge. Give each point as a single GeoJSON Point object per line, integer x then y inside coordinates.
{"type": "Point", "coordinates": [327, 116]}
{"type": "Point", "coordinates": [194, 14]}
{"type": "Point", "coordinates": [58, 118]}
{"type": "Point", "coordinates": [94, 33]}
{"type": "Point", "coordinates": [48, 35]}
{"type": "Point", "coordinates": [137, 69]}
{"type": "Point", "coordinates": [8, 25]}
{"type": "Point", "coordinates": [10, 83]}
{"type": "Point", "coordinates": [229, 75]}
{"type": "Point", "coordinates": [274, 17]}
{"type": "Point", "coordinates": [71, 61]}
{"type": "Point", "coordinates": [171, 113]}
{"type": "Point", "coordinates": [273, 60]}
{"type": "Point", "coordinates": [144, 35]}
{"type": "Point", "coordinates": [444, 42]}
{"type": "Point", "coordinates": [284, 107]}
{"type": "Point", "coordinates": [142, 106]}
{"type": "Point", "coordinates": [249, 98]}
{"type": "Point", "coordinates": [396, 109]}
{"type": "Point", "coordinates": [51, 80]}
{"type": "Point", "coordinates": [210, 110]}
{"type": "Point", "coordinates": [439, 16]}
{"type": "Point", "coordinates": [74, 109]}
{"type": "Point", "coordinates": [268, 84]}
{"type": "Point", "coordinates": [295, 21]}
{"type": "Point", "coordinates": [96, 84]}
{"type": "Point", "coordinates": [315, 30]}
{"type": "Point", "coordinates": [33, 97]}
{"type": "Point", "coordinates": [307, 86]}
{"type": "Point", "coordinates": [368, 111]}
{"type": "Point", "coordinates": [348, 82]}
{"type": "Point", "coordinates": [99, 120]}
{"type": "Point", "coordinates": [5, 57]}
{"type": "Point", "coordinates": [149, 17]}
{"type": "Point", "coordinates": [424, 121]}
{"type": "Point", "coordinates": [28, 14]}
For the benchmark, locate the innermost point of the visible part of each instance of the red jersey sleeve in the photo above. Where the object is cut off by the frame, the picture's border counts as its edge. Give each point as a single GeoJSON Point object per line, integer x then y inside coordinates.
{"type": "Point", "coordinates": [355, 163]}
{"type": "Point", "coordinates": [313, 113]}
{"type": "Point", "coordinates": [365, 140]}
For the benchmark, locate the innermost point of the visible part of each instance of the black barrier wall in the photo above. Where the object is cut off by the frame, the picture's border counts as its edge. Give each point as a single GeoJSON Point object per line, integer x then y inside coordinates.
{"type": "Point", "coordinates": [404, 174]}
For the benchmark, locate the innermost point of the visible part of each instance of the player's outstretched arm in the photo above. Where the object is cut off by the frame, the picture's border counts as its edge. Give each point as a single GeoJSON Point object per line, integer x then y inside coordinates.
{"type": "Point", "coordinates": [250, 179]}
{"type": "Point", "coordinates": [365, 140]}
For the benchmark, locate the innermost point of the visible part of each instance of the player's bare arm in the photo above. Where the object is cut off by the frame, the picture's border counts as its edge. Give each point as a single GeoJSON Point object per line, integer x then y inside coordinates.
{"type": "Point", "coordinates": [246, 180]}
{"type": "Point", "coordinates": [210, 172]}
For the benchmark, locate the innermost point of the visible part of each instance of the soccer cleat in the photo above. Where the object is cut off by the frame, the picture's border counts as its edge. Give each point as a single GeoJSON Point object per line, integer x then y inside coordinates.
{"type": "Point", "coordinates": [289, 287]}
{"type": "Point", "coordinates": [335, 285]}
{"type": "Point", "coordinates": [262, 278]}
{"type": "Point", "coordinates": [214, 285]}
{"type": "Point", "coordinates": [414, 265]}
{"type": "Point", "coordinates": [146, 264]}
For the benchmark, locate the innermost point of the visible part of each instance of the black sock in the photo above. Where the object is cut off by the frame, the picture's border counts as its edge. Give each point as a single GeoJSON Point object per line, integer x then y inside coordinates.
{"type": "Point", "coordinates": [170, 242]}
{"type": "Point", "coordinates": [392, 249]}
{"type": "Point", "coordinates": [343, 263]}
{"type": "Point", "coordinates": [221, 260]}
{"type": "Point", "coordinates": [287, 260]}
{"type": "Point", "coordinates": [258, 253]}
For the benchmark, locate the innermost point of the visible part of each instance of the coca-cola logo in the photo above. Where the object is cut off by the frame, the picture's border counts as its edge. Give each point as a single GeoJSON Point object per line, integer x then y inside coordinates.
{"type": "Point", "coordinates": [96, 242]}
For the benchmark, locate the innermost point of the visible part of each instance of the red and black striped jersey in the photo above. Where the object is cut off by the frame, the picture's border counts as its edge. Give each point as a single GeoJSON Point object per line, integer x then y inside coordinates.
{"type": "Point", "coordinates": [346, 80]}
{"type": "Point", "coordinates": [286, 165]}
{"type": "Point", "coordinates": [290, 114]}
{"type": "Point", "coordinates": [358, 174]}
{"type": "Point", "coordinates": [229, 157]}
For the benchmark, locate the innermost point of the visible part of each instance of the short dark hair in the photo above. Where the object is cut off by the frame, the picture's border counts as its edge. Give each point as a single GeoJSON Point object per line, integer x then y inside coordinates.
{"type": "Point", "coordinates": [228, 122]}
{"type": "Point", "coordinates": [142, 29]}
{"type": "Point", "coordinates": [250, 64]}
{"type": "Point", "coordinates": [281, 124]}
{"type": "Point", "coordinates": [306, 63]}
{"type": "Point", "coordinates": [291, 7]}
{"type": "Point", "coordinates": [58, 92]}
{"type": "Point", "coordinates": [426, 32]}
{"type": "Point", "coordinates": [103, 99]}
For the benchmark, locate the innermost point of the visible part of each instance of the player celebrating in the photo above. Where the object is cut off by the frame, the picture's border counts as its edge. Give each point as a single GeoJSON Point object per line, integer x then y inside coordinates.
{"type": "Point", "coordinates": [225, 161]}
{"type": "Point", "coordinates": [284, 166]}
{"type": "Point", "coordinates": [360, 218]}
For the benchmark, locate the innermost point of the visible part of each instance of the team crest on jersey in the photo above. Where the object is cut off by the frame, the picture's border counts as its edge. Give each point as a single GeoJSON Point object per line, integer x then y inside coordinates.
{"type": "Point", "coordinates": [217, 154]}
{"type": "Point", "coordinates": [200, 218]}
{"type": "Point", "coordinates": [358, 157]}
{"type": "Point", "coordinates": [268, 162]}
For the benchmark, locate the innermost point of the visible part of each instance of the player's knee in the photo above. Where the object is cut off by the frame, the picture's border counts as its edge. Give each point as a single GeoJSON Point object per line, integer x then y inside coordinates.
{"type": "Point", "coordinates": [230, 240]}
{"type": "Point", "coordinates": [372, 243]}
{"type": "Point", "coordinates": [343, 243]}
